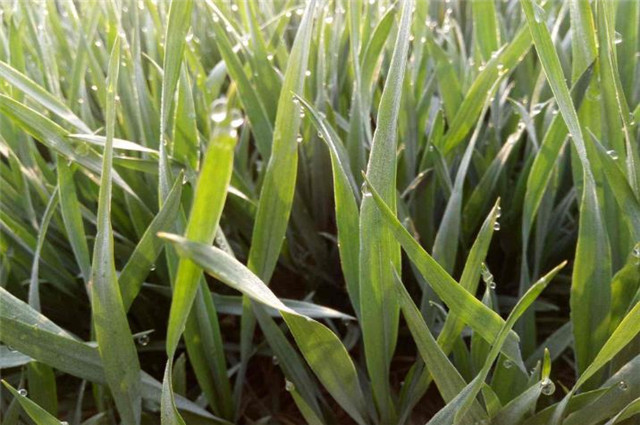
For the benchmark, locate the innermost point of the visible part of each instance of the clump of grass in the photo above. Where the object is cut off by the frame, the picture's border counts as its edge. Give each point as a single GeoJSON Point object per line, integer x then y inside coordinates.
{"type": "Point", "coordinates": [326, 212]}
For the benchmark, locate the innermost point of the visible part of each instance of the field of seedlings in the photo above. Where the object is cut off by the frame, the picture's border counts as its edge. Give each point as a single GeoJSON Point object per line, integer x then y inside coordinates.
{"type": "Point", "coordinates": [340, 212]}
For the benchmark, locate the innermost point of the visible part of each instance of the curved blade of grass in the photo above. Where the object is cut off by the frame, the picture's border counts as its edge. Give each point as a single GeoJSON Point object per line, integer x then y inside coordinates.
{"type": "Point", "coordinates": [479, 317]}
{"type": "Point", "coordinates": [149, 247]}
{"type": "Point", "coordinates": [378, 300]}
{"type": "Point", "coordinates": [72, 218]}
{"type": "Point", "coordinates": [115, 343]}
{"type": "Point", "coordinates": [458, 407]}
{"type": "Point", "coordinates": [33, 334]}
{"type": "Point", "coordinates": [473, 102]}
{"type": "Point", "coordinates": [445, 375]}
{"type": "Point", "coordinates": [34, 283]}
{"type": "Point", "coordinates": [178, 24]}
{"type": "Point", "coordinates": [39, 415]}
{"type": "Point", "coordinates": [590, 291]}
{"type": "Point", "coordinates": [632, 409]}
{"type": "Point", "coordinates": [40, 95]}
{"type": "Point", "coordinates": [622, 388]}
{"type": "Point", "coordinates": [53, 137]}
{"type": "Point", "coordinates": [317, 342]}
{"type": "Point", "coordinates": [345, 195]}
{"type": "Point", "coordinates": [453, 325]}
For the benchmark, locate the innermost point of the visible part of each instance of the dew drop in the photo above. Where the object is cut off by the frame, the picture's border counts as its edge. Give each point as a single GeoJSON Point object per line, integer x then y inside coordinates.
{"type": "Point", "coordinates": [547, 387]}
{"type": "Point", "coordinates": [269, 58]}
{"type": "Point", "coordinates": [153, 267]}
{"type": "Point", "coordinates": [275, 360]}
{"type": "Point", "coordinates": [307, 73]}
{"type": "Point", "coordinates": [11, 349]}
{"type": "Point", "coordinates": [623, 385]}
{"type": "Point", "coordinates": [299, 139]}
{"type": "Point", "coordinates": [492, 285]}
{"type": "Point", "coordinates": [302, 115]}
{"type": "Point", "coordinates": [521, 125]}
{"type": "Point", "coordinates": [499, 212]}
{"type": "Point", "coordinates": [234, 7]}
{"type": "Point", "coordinates": [613, 154]}
{"type": "Point", "coordinates": [80, 100]}
{"type": "Point", "coordinates": [185, 179]}
{"type": "Point", "coordinates": [365, 189]}
{"type": "Point", "coordinates": [143, 340]}
{"type": "Point", "coordinates": [23, 392]}
{"type": "Point", "coordinates": [320, 136]}
{"type": "Point", "coordinates": [328, 20]}
{"type": "Point", "coordinates": [507, 364]}
{"type": "Point", "coordinates": [618, 38]}
{"type": "Point", "coordinates": [237, 119]}
{"type": "Point", "coordinates": [94, 87]}
{"type": "Point", "coordinates": [219, 110]}
{"type": "Point", "coordinates": [636, 251]}
{"type": "Point", "coordinates": [289, 386]}
{"type": "Point", "coordinates": [295, 100]}
{"type": "Point", "coordinates": [98, 43]}
{"type": "Point", "coordinates": [496, 226]}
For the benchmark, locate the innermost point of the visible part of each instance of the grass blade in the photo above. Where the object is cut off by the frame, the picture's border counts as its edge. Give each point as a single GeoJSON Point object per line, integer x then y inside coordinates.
{"type": "Point", "coordinates": [378, 303]}
{"type": "Point", "coordinates": [115, 343]}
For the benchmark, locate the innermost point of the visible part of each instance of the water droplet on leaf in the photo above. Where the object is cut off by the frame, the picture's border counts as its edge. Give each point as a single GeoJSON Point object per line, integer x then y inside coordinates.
{"type": "Point", "coordinates": [143, 340]}
{"type": "Point", "coordinates": [219, 110]}
{"type": "Point", "coordinates": [547, 387]}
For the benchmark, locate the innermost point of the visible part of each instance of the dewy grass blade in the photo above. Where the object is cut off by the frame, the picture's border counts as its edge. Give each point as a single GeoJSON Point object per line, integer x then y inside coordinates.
{"type": "Point", "coordinates": [276, 198]}
{"type": "Point", "coordinates": [33, 334]}
{"type": "Point", "coordinates": [208, 202]}
{"type": "Point", "coordinates": [378, 300]}
{"type": "Point", "coordinates": [347, 214]}
{"type": "Point", "coordinates": [458, 407]}
{"type": "Point", "coordinates": [316, 341]}
{"type": "Point", "coordinates": [177, 27]}
{"type": "Point", "coordinates": [115, 343]}
{"type": "Point", "coordinates": [445, 375]}
{"type": "Point", "coordinates": [590, 291]}
{"type": "Point", "coordinates": [39, 415]}
{"type": "Point", "coordinates": [475, 314]}
{"type": "Point", "coordinates": [43, 97]}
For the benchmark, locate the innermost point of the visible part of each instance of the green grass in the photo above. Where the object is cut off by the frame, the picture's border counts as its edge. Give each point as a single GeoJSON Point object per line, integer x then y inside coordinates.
{"type": "Point", "coordinates": [323, 212]}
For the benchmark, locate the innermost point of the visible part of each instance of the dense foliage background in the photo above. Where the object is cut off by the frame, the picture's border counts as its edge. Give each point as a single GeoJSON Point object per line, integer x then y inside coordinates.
{"type": "Point", "coordinates": [406, 211]}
